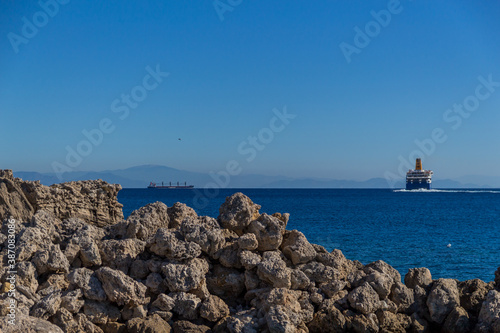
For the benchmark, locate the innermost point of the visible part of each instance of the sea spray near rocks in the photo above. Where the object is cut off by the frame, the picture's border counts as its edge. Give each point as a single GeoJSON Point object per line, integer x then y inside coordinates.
{"type": "Point", "coordinates": [82, 268]}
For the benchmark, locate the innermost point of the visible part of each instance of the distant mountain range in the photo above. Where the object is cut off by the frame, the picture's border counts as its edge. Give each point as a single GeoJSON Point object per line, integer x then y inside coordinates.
{"type": "Point", "coordinates": [141, 176]}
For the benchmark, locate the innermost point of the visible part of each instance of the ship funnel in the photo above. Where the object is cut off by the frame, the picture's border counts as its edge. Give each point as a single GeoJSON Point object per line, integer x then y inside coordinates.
{"type": "Point", "coordinates": [418, 164]}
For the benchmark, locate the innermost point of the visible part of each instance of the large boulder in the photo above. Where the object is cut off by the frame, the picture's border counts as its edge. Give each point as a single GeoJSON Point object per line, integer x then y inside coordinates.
{"type": "Point", "coordinates": [186, 305]}
{"type": "Point", "coordinates": [94, 201]}
{"type": "Point", "coordinates": [442, 299]}
{"type": "Point", "coordinates": [150, 324]}
{"type": "Point", "coordinates": [119, 254]}
{"type": "Point", "coordinates": [145, 221]}
{"type": "Point", "coordinates": [272, 269]}
{"type": "Point", "coordinates": [403, 297]}
{"type": "Point", "coordinates": [168, 243]}
{"type": "Point", "coordinates": [204, 231]}
{"type": "Point", "coordinates": [364, 299]}
{"type": "Point", "coordinates": [296, 247]}
{"type": "Point", "coordinates": [393, 322]}
{"type": "Point", "coordinates": [214, 308]}
{"type": "Point", "coordinates": [185, 277]}
{"type": "Point", "coordinates": [47, 306]}
{"type": "Point", "coordinates": [269, 231]}
{"type": "Point", "coordinates": [490, 311]}
{"type": "Point", "coordinates": [121, 288]}
{"type": "Point", "coordinates": [178, 212]}
{"type": "Point", "coordinates": [30, 241]}
{"type": "Point", "coordinates": [334, 259]}
{"type": "Point", "coordinates": [87, 281]}
{"type": "Point", "coordinates": [328, 319]}
{"type": "Point", "coordinates": [472, 294]}
{"type": "Point", "coordinates": [101, 313]}
{"type": "Point", "coordinates": [458, 321]}
{"type": "Point", "coordinates": [13, 201]}
{"type": "Point", "coordinates": [85, 249]}
{"type": "Point", "coordinates": [237, 212]}
{"type": "Point", "coordinates": [26, 324]}
{"type": "Point", "coordinates": [418, 277]}
{"type": "Point", "coordinates": [51, 259]}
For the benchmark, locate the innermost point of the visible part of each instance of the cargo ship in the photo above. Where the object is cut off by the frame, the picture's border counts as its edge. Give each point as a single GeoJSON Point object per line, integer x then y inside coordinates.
{"type": "Point", "coordinates": [418, 178]}
{"type": "Point", "coordinates": [170, 186]}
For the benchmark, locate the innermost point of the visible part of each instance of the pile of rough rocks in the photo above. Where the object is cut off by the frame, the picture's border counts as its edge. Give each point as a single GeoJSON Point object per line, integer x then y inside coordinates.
{"type": "Point", "coordinates": [82, 268]}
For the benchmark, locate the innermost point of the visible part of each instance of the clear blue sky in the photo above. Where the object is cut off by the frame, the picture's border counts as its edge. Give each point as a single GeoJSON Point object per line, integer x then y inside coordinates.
{"type": "Point", "coordinates": [226, 76]}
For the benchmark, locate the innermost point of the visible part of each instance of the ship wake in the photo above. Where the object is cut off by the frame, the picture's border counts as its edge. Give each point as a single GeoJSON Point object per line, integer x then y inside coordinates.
{"type": "Point", "coordinates": [447, 191]}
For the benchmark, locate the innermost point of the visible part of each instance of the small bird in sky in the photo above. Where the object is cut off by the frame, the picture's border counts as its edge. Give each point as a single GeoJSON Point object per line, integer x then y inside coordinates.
{"type": "Point", "coordinates": [179, 139]}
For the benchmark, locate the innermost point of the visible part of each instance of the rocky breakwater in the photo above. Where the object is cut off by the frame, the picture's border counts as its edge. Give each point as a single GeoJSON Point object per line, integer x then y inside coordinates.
{"type": "Point", "coordinates": [167, 269]}
{"type": "Point", "coordinates": [92, 201]}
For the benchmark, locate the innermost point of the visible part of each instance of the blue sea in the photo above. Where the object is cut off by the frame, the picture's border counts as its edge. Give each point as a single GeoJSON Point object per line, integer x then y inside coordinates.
{"type": "Point", "coordinates": [454, 233]}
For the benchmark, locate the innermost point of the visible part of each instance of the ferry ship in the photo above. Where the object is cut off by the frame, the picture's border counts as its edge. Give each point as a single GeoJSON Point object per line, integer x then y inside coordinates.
{"type": "Point", "coordinates": [170, 186]}
{"type": "Point", "coordinates": [418, 178]}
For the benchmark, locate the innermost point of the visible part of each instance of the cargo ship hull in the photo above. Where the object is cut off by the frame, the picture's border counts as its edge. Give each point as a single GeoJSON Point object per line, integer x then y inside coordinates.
{"type": "Point", "coordinates": [170, 186]}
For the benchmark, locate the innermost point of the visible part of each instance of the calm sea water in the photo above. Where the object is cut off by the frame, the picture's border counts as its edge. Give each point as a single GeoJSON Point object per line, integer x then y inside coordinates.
{"type": "Point", "coordinates": [405, 229]}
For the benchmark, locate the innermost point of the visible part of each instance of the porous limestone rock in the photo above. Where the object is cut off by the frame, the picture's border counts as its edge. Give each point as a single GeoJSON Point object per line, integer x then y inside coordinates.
{"type": "Point", "coordinates": [51, 259]}
{"type": "Point", "coordinates": [490, 310]}
{"type": "Point", "coordinates": [184, 326]}
{"type": "Point", "coordinates": [458, 321]}
{"type": "Point", "coordinates": [164, 303]}
{"type": "Point", "coordinates": [442, 299]}
{"type": "Point", "coordinates": [87, 281]}
{"type": "Point", "coordinates": [13, 202]}
{"type": "Point", "coordinates": [364, 299]}
{"type": "Point", "coordinates": [237, 212]}
{"type": "Point", "coordinates": [249, 259]}
{"type": "Point", "coordinates": [272, 269]}
{"type": "Point", "coordinates": [28, 324]}
{"type": "Point", "coordinates": [47, 306]}
{"type": "Point", "coordinates": [84, 248]}
{"type": "Point", "coordinates": [248, 242]}
{"type": "Point", "coordinates": [328, 319]}
{"type": "Point", "coordinates": [213, 308]}
{"type": "Point", "coordinates": [204, 231]}
{"type": "Point", "coordinates": [178, 212]}
{"type": "Point", "coordinates": [185, 277]}
{"type": "Point", "coordinates": [101, 313]}
{"type": "Point", "coordinates": [269, 231]}
{"type": "Point", "coordinates": [71, 301]}
{"type": "Point", "coordinates": [30, 241]}
{"type": "Point", "coordinates": [418, 277]}
{"type": "Point", "coordinates": [169, 244]}
{"type": "Point", "coordinates": [119, 254]}
{"type": "Point", "coordinates": [46, 222]}
{"type": "Point", "coordinates": [145, 221]}
{"type": "Point", "coordinates": [150, 324]}
{"type": "Point", "coordinates": [120, 288]}
{"type": "Point", "coordinates": [93, 201]}
{"type": "Point", "coordinates": [403, 297]}
{"type": "Point", "coordinates": [186, 305]}
{"type": "Point", "coordinates": [296, 247]}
